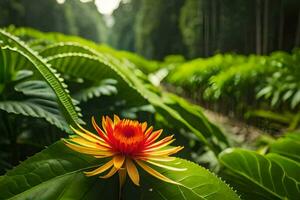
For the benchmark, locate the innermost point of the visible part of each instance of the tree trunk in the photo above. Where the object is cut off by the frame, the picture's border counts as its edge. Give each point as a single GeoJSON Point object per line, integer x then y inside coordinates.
{"type": "Point", "coordinates": [281, 25]}
{"type": "Point", "coordinates": [266, 27]}
{"type": "Point", "coordinates": [297, 40]}
{"type": "Point", "coordinates": [258, 27]}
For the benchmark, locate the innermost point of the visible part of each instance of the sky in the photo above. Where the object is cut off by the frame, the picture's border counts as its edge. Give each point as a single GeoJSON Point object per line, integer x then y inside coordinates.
{"type": "Point", "coordinates": [105, 7]}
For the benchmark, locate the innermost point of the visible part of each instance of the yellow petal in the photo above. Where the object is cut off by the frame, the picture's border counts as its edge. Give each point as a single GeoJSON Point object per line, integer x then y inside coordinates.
{"type": "Point", "coordinates": [105, 156]}
{"type": "Point", "coordinates": [91, 137]}
{"type": "Point", "coordinates": [87, 150]}
{"type": "Point", "coordinates": [116, 119]}
{"type": "Point", "coordinates": [118, 161]}
{"type": "Point", "coordinates": [132, 171]}
{"type": "Point", "coordinates": [157, 158]}
{"type": "Point", "coordinates": [166, 166]}
{"type": "Point", "coordinates": [101, 169]}
{"type": "Point", "coordinates": [89, 133]}
{"type": "Point", "coordinates": [144, 126]}
{"type": "Point", "coordinates": [85, 136]}
{"type": "Point", "coordinates": [110, 173]}
{"type": "Point", "coordinates": [86, 143]}
{"type": "Point", "coordinates": [166, 151]}
{"type": "Point", "coordinates": [155, 173]}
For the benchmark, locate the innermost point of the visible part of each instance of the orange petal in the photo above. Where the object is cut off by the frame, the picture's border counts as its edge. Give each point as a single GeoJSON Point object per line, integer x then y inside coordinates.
{"type": "Point", "coordinates": [155, 173]}
{"type": "Point", "coordinates": [110, 173]}
{"type": "Point", "coordinates": [104, 124]}
{"type": "Point", "coordinates": [109, 125]}
{"type": "Point", "coordinates": [132, 172]}
{"type": "Point", "coordinates": [101, 169]}
{"type": "Point", "coordinates": [118, 161]}
{"type": "Point", "coordinates": [98, 129]}
{"type": "Point", "coordinates": [154, 136]}
{"type": "Point", "coordinates": [160, 144]}
{"type": "Point", "coordinates": [149, 131]}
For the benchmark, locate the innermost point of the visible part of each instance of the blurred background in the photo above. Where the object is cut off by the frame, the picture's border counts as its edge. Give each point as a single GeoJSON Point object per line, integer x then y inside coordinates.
{"type": "Point", "coordinates": [215, 73]}
{"type": "Point", "coordinates": [155, 29]}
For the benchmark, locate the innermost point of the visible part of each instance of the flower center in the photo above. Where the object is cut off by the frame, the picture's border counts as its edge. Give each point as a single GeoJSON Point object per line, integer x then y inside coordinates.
{"type": "Point", "coordinates": [128, 132]}
{"type": "Point", "coordinates": [128, 137]}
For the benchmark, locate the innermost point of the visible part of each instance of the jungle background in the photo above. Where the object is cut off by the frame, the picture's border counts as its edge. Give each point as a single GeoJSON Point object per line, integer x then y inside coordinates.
{"type": "Point", "coordinates": [221, 75]}
{"type": "Point", "coordinates": [155, 29]}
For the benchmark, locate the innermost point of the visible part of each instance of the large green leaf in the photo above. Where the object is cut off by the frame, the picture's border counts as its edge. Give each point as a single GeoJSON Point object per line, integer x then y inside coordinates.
{"type": "Point", "coordinates": [65, 47]}
{"type": "Point", "coordinates": [95, 68]}
{"type": "Point", "coordinates": [100, 63]}
{"type": "Point", "coordinates": [56, 173]}
{"type": "Point", "coordinates": [172, 107]}
{"type": "Point", "coordinates": [37, 99]}
{"type": "Point", "coordinates": [288, 146]}
{"type": "Point", "coordinates": [262, 177]}
{"type": "Point", "coordinates": [48, 73]}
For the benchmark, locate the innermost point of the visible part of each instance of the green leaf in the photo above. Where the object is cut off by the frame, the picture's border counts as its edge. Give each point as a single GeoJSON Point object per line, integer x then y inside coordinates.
{"type": "Point", "coordinates": [104, 64]}
{"type": "Point", "coordinates": [295, 99]}
{"type": "Point", "coordinates": [38, 99]}
{"type": "Point", "coordinates": [47, 72]}
{"type": "Point", "coordinates": [261, 177]}
{"type": "Point", "coordinates": [57, 173]}
{"type": "Point", "coordinates": [106, 87]}
{"type": "Point", "coordinates": [65, 47]}
{"type": "Point", "coordinates": [289, 147]}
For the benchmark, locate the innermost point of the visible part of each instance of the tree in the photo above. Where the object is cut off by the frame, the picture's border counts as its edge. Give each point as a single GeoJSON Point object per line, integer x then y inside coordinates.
{"type": "Point", "coordinates": [122, 34]}
{"type": "Point", "coordinates": [157, 28]}
{"type": "Point", "coordinates": [72, 17]}
{"type": "Point", "coordinates": [192, 27]}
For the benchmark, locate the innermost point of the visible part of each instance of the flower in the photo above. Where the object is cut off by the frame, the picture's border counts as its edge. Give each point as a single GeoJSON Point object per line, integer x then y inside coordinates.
{"type": "Point", "coordinates": [127, 143]}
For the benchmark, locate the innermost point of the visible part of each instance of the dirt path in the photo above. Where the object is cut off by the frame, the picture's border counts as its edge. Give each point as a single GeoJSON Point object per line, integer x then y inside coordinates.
{"type": "Point", "coordinates": [240, 131]}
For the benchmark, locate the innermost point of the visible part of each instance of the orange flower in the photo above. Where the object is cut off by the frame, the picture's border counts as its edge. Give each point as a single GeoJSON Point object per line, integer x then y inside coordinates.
{"type": "Point", "coordinates": [127, 143]}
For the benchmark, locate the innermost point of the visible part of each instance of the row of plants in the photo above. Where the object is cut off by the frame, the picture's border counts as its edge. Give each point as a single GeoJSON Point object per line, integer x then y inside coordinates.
{"type": "Point", "coordinates": [260, 86]}
{"type": "Point", "coordinates": [51, 82]}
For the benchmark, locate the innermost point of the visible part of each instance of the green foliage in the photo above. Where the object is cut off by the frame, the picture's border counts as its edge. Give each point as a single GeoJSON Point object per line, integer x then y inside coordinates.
{"type": "Point", "coordinates": [259, 85]}
{"type": "Point", "coordinates": [33, 83]}
{"type": "Point", "coordinates": [27, 97]}
{"type": "Point", "coordinates": [57, 69]}
{"type": "Point", "coordinates": [60, 17]}
{"type": "Point", "coordinates": [61, 169]}
{"type": "Point", "coordinates": [50, 76]}
{"type": "Point", "coordinates": [192, 27]}
{"type": "Point", "coordinates": [156, 30]}
{"type": "Point", "coordinates": [271, 176]}
{"type": "Point", "coordinates": [283, 86]}
{"type": "Point", "coordinates": [122, 33]}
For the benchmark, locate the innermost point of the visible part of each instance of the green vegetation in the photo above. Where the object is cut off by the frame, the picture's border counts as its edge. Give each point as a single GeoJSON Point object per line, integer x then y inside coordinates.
{"type": "Point", "coordinates": [255, 85]}
{"type": "Point", "coordinates": [49, 81]}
